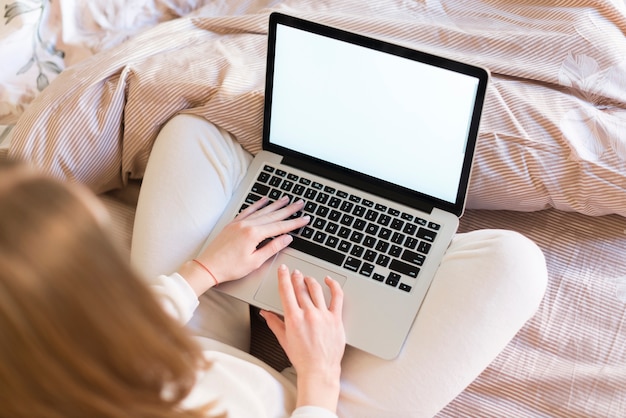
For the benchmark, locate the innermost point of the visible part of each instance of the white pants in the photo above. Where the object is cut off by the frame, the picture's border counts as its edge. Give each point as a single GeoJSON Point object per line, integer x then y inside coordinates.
{"type": "Point", "coordinates": [489, 284]}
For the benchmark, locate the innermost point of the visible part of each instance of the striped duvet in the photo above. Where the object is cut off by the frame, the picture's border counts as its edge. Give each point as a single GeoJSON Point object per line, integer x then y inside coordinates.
{"type": "Point", "coordinates": [553, 137]}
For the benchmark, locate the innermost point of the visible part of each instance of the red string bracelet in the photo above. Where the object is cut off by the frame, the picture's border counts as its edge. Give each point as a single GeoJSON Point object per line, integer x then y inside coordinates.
{"type": "Point", "coordinates": [207, 270]}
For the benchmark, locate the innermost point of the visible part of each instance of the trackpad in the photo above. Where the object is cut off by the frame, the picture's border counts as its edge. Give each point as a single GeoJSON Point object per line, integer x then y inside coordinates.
{"type": "Point", "coordinates": [268, 291]}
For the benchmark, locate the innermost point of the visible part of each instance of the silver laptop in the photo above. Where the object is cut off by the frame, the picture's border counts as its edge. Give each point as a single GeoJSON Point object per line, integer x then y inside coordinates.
{"type": "Point", "coordinates": [378, 139]}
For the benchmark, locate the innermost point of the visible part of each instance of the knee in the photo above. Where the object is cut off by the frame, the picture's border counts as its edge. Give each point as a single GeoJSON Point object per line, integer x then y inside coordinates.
{"type": "Point", "coordinates": [524, 265]}
{"type": "Point", "coordinates": [513, 260]}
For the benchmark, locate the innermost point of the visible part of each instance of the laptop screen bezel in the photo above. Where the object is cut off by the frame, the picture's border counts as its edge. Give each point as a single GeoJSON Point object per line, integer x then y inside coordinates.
{"type": "Point", "coordinates": [360, 180]}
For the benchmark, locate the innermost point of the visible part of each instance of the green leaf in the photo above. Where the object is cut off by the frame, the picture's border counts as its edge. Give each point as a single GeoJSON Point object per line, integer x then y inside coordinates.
{"type": "Point", "coordinates": [42, 82]}
{"type": "Point", "coordinates": [15, 9]}
{"type": "Point", "coordinates": [26, 66]}
{"type": "Point", "coordinates": [51, 66]}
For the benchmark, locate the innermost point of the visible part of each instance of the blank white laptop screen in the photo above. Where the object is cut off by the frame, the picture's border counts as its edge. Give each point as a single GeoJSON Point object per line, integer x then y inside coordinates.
{"type": "Point", "coordinates": [371, 112]}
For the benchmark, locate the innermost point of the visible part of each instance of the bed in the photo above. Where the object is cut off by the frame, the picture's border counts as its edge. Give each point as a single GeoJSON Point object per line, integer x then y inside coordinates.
{"type": "Point", "coordinates": [87, 85]}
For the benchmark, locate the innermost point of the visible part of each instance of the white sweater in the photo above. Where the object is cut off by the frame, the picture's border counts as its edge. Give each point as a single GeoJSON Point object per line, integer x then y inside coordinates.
{"type": "Point", "coordinates": [242, 385]}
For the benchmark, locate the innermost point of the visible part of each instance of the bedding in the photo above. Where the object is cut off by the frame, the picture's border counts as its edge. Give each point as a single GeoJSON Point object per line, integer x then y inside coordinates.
{"type": "Point", "coordinates": [550, 161]}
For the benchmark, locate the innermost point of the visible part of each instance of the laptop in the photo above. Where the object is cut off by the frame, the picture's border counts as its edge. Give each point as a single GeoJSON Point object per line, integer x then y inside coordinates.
{"type": "Point", "coordinates": [378, 139]}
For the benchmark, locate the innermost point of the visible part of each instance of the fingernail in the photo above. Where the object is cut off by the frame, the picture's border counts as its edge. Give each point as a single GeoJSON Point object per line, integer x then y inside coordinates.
{"type": "Point", "coordinates": [282, 267]}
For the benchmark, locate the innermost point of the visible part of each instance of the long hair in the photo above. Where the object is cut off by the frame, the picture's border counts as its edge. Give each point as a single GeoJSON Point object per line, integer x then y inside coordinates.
{"type": "Point", "coordinates": [81, 335]}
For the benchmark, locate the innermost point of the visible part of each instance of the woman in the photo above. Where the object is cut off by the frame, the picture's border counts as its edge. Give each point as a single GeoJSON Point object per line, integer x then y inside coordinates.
{"type": "Point", "coordinates": [85, 337]}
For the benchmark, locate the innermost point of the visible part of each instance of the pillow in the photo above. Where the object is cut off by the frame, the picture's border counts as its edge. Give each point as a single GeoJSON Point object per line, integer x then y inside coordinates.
{"type": "Point", "coordinates": [29, 57]}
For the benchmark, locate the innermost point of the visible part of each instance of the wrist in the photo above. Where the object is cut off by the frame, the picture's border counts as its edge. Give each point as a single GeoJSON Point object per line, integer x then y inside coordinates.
{"type": "Point", "coordinates": [318, 388]}
{"type": "Point", "coordinates": [200, 279]}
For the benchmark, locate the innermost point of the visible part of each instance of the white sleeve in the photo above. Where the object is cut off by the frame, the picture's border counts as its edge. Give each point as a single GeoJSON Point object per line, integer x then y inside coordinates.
{"type": "Point", "coordinates": [312, 412]}
{"type": "Point", "coordinates": [176, 296]}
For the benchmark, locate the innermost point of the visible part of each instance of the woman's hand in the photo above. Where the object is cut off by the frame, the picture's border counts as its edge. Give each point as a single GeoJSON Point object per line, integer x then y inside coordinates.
{"type": "Point", "coordinates": [312, 336]}
{"type": "Point", "coordinates": [235, 251]}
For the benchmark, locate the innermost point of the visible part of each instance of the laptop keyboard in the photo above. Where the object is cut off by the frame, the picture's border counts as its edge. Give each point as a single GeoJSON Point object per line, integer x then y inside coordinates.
{"type": "Point", "coordinates": [374, 240]}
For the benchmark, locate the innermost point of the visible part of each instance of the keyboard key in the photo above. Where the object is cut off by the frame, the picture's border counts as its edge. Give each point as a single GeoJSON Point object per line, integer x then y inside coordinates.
{"type": "Point", "coordinates": [395, 251]}
{"type": "Point", "coordinates": [334, 215]}
{"type": "Point", "coordinates": [310, 207]}
{"type": "Point", "coordinates": [347, 206]}
{"type": "Point", "coordinates": [413, 257]}
{"type": "Point", "coordinates": [434, 226]}
{"type": "Point", "coordinates": [378, 277]}
{"type": "Point", "coordinates": [409, 229]}
{"type": "Point", "coordinates": [424, 247]}
{"type": "Point", "coordinates": [426, 234]}
{"type": "Point", "coordinates": [383, 260]}
{"type": "Point", "coordinates": [382, 246]}
{"type": "Point", "coordinates": [275, 181]}
{"type": "Point", "coordinates": [421, 221]}
{"type": "Point", "coordinates": [404, 268]}
{"type": "Point", "coordinates": [359, 224]}
{"type": "Point", "coordinates": [332, 228]}
{"type": "Point", "coordinates": [359, 210]}
{"type": "Point", "coordinates": [346, 219]}
{"type": "Point", "coordinates": [352, 264]}
{"type": "Point", "coordinates": [286, 186]}
{"type": "Point", "coordinates": [384, 233]}
{"type": "Point", "coordinates": [298, 189]}
{"type": "Point", "coordinates": [322, 211]}
{"type": "Point", "coordinates": [369, 241]}
{"type": "Point", "coordinates": [344, 232]}
{"type": "Point", "coordinates": [372, 229]}
{"type": "Point", "coordinates": [397, 224]}
{"type": "Point", "coordinates": [384, 219]}
{"type": "Point", "coordinates": [261, 189]}
{"type": "Point", "coordinates": [319, 236]}
{"type": "Point", "coordinates": [393, 279]}
{"type": "Point", "coordinates": [404, 287]}
{"type": "Point", "coordinates": [356, 237]}
{"type": "Point", "coordinates": [397, 238]}
{"type": "Point", "coordinates": [319, 223]}
{"type": "Point", "coordinates": [310, 194]}
{"type": "Point", "coordinates": [344, 246]}
{"type": "Point", "coordinates": [411, 243]}
{"type": "Point", "coordinates": [322, 198]}
{"type": "Point", "coordinates": [326, 254]}
{"type": "Point", "coordinates": [251, 198]}
{"type": "Point", "coordinates": [275, 194]}
{"type": "Point", "coordinates": [357, 251]}
{"type": "Point", "coordinates": [371, 215]}
{"type": "Point", "coordinates": [263, 177]}
{"type": "Point", "coordinates": [366, 269]}
{"type": "Point", "coordinates": [370, 255]}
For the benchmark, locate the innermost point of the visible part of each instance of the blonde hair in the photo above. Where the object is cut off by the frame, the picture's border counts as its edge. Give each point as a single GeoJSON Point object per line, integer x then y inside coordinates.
{"type": "Point", "coordinates": [80, 334]}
